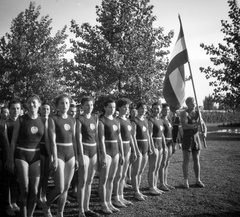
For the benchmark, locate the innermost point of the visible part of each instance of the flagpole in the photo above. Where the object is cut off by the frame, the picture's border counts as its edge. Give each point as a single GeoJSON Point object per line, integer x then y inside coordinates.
{"type": "Point", "coordinates": [194, 91]}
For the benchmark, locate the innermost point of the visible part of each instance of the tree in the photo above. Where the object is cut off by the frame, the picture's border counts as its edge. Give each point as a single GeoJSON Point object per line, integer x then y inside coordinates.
{"type": "Point", "coordinates": [208, 103]}
{"type": "Point", "coordinates": [124, 55]}
{"type": "Point", "coordinates": [30, 58]}
{"type": "Point", "coordinates": [226, 58]}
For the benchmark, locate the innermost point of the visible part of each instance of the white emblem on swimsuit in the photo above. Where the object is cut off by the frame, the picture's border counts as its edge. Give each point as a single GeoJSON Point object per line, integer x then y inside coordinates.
{"type": "Point", "coordinates": [161, 128]}
{"type": "Point", "coordinates": [129, 128]}
{"type": "Point", "coordinates": [144, 128]}
{"type": "Point", "coordinates": [67, 127]}
{"type": "Point", "coordinates": [34, 130]}
{"type": "Point", "coordinates": [115, 127]}
{"type": "Point", "coordinates": [92, 126]}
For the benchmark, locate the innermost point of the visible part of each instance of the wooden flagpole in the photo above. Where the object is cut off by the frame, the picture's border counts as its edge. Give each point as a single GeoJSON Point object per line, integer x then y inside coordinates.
{"type": "Point", "coordinates": [194, 91]}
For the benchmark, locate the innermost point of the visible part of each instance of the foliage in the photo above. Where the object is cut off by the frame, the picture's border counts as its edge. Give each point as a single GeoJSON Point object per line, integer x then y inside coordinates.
{"type": "Point", "coordinates": [124, 55]}
{"type": "Point", "coordinates": [226, 59]}
{"type": "Point", "coordinates": [221, 116]}
{"type": "Point", "coordinates": [30, 57]}
{"type": "Point", "coordinates": [208, 103]}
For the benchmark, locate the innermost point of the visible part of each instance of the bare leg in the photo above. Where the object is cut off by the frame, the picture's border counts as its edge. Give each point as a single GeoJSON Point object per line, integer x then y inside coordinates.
{"type": "Point", "coordinates": [109, 184]}
{"type": "Point", "coordinates": [23, 178]}
{"type": "Point", "coordinates": [170, 152]}
{"type": "Point", "coordinates": [153, 160]}
{"type": "Point", "coordinates": [102, 185]}
{"type": "Point", "coordinates": [34, 178]}
{"type": "Point", "coordinates": [196, 166]}
{"type": "Point", "coordinates": [162, 171]}
{"type": "Point", "coordinates": [69, 169]}
{"type": "Point", "coordinates": [58, 188]}
{"type": "Point", "coordinates": [91, 172]}
{"type": "Point", "coordinates": [116, 187]}
{"type": "Point", "coordinates": [123, 178]}
{"type": "Point", "coordinates": [44, 178]}
{"type": "Point", "coordinates": [82, 176]}
{"type": "Point", "coordinates": [135, 173]}
{"type": "Point", "coordinates": [141, 170]}
{"type": "Point", "coordinates": [159, 161]}
{"type": "Point", "coordinates": [186, 157]}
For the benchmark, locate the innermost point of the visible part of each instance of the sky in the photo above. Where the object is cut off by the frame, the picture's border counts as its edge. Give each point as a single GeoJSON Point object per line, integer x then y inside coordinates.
{"type": "Point", "coordinates": [201, 20]}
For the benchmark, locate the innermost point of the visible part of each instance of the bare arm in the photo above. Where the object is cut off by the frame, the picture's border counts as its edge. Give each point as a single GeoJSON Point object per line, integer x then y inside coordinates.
{"type": "Point", "coordinates": [52, 143]}
{"type": "Point", "coordinates": [150, 133]}
{"type": "Point", "coordinates": [75, 146]}
{"type": "Point", "coordinates": [102, 148]}
{"type": "Point", "coordinates": [120, 145]}
{"type": "Point", "coordinates": [97, 139]}
{"type": "Point", "coordinates": [6, 142]}
{"type": "Point", "coordinates": [185, 124]}
{"type": "Point", "coordinates": [79, 142]}
{"type": "Point", "coordinates": [134, 138]}
{"type": "Point", "coordinates": [46, 138]}
{"type": "Point", "coordinates": [13, 145]}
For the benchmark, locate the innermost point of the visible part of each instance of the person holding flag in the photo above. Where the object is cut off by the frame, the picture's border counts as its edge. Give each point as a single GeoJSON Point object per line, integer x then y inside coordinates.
{"type": "Point", "coordinates": [191, 142]}
{"type": "Point", "coordinates": [174, 94]}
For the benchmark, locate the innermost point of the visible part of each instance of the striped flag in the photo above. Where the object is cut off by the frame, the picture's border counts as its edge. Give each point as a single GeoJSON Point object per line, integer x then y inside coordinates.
{"type": "Point", "coordinates": [174, 83]}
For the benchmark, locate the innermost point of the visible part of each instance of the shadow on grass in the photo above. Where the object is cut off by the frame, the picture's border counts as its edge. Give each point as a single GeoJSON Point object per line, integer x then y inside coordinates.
{"type": "Point", "coordinates": [224, 214]}
{"type": "Point", "coordinates": [212, 136]}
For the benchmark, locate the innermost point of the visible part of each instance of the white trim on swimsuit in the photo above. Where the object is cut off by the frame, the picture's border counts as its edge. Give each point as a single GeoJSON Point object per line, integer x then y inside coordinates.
{"type": "Point", "coordinates": [89, 144]}
{"type": "Point", "coordinates": [64, 144]}
{"type": "Point", "coordinates": [28, 149]}
{"type": "Point", "coordinates": [110, 140]}
{"type": "Point", "coordinates": [157, 137]}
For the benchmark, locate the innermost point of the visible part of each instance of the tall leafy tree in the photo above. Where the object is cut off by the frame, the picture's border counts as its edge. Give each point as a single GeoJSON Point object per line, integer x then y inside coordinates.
{"type": "Point", "coordinates": [226, 60]}
{"type": "Point", "coordinates": [208, 103]}
{"type": "Point", "coordinates": [31, 58]}
{"type": "Point", "coordinates": [124, 55]}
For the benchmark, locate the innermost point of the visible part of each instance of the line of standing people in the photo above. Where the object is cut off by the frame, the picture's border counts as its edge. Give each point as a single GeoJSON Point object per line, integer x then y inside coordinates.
{"type": "Point", "coordinates": [87, 144]}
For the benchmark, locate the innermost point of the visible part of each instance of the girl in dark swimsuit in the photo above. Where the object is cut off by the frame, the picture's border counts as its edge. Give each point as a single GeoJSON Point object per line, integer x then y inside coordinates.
{"type": "Point", "coordinates": [168, 150]}
{"type": "Point", "coordinates": [64, 153]}
{"type": "Point", "coordinates": [128, 147]}
{"type": "Point", "coordinates": [87, 141]}
{"type": "Point", "coordinates": [143, 147]}
{"type": "Point", "coordinates": [25, 149]}
{"type": "Point", "coordinates": [111, 151]}
{"type": "Point", "coordinates": [155, 126]}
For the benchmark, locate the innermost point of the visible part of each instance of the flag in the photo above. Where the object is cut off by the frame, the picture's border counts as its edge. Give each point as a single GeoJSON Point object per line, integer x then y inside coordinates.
{"type": "Point", "coordinates": [174, 82]}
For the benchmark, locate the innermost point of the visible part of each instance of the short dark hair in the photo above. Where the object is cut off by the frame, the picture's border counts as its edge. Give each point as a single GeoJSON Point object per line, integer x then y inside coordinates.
{"type": "Point", "coordinates": [189, 99]}
{"type": "Point", "coordinates": [46, 103]}
{"type": "Point", "coordinates": [35, 96]}
{"type": "Point", "coordinates": [14, 101]}
{"type": "Point", "coordinates": [157, 103]}
{"type": "Point", "coordinates": [108, 101]}
{"type": "Point", "coordinates": [164, 105]}
{"type": "Point", "coordinates": [60, 97]}
{"type": "Point", "coordinates": [140, 104]}
{"type": "Point", "coordinates": [86, 99]}
{"type": "Point", "coordinates": [123, 101]}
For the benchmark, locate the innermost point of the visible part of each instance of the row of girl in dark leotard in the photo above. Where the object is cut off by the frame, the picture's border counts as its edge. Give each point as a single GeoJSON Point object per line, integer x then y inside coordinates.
{"type": "Point", "coordinates": [38, 144]}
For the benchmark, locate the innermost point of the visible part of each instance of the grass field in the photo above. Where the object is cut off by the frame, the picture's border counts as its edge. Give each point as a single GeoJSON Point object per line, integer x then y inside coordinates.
{"type": "Point", "coordinates": [220, 172]}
